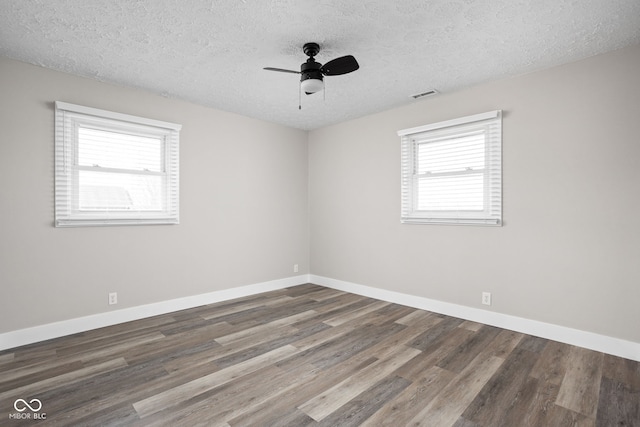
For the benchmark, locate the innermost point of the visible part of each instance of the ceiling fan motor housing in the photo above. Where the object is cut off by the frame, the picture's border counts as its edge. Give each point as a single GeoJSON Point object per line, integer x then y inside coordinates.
{"type": "Point", "coordinates": [311, 70]}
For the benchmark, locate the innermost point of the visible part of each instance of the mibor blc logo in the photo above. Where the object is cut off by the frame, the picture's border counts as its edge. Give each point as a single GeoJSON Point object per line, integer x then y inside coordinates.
{"type": "Point", "coordinates": [27, 410]}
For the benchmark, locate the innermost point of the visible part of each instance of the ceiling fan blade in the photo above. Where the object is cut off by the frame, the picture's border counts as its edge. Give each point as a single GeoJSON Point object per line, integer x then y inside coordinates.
{"type": "Point", "coordinates": [281, 70]}
{"type": "Point", "coordinates": [338, 66]}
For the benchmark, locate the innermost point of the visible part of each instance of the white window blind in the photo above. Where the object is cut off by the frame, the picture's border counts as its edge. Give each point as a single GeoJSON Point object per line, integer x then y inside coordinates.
{"type": "Point", "coordinates": [114, 169]}
{"type": "Point", "coordinates": [452, 171]}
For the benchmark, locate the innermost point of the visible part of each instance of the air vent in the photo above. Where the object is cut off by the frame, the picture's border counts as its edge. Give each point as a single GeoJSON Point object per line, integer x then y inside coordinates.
{"type": "Point", "coordinates": [423, 94]}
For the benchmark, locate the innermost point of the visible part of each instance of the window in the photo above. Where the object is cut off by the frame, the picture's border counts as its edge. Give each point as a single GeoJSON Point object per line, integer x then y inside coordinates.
{"type": "Point", "coordinates": [114, 169]}
{"type": "Point", "coordinates": [452, 172]}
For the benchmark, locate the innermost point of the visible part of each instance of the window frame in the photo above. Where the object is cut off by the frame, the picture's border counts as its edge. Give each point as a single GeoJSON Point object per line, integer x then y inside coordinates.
{"type": "Point", "coordinates": [69, 119]}
{"type": "Point", "coordinates": [490, 124]}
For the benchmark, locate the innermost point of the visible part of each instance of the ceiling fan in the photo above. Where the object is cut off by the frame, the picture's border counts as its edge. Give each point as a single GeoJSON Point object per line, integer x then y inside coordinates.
{"type": "Point", "coordinates": [312, 73]}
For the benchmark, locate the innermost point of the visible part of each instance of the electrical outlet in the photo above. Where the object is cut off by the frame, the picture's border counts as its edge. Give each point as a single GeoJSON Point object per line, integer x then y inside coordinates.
{"type": "Point", "coordinates": [113, 298]}
{"type": "Point", "coordinates": [295, 268]}
{"type": "Point", "coordinates": [486, 298]}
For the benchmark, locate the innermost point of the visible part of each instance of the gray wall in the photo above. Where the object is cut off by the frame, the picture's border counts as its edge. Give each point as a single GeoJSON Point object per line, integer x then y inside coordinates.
{"type": "Point", "coordinates": [243, 191]}
{"type": "Point", "coordinates": [569, 252]}
{"type": "Point", "coordinates": [252, 193]}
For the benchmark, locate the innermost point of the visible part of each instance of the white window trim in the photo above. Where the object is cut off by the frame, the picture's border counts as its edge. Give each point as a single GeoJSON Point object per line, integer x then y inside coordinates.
{"type": "Point", "coordinates": [491, 215]}
{"type": "Point", "coordinates": [67, 118]}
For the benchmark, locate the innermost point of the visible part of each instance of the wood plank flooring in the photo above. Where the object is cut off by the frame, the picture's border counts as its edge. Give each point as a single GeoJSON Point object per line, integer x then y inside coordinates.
{"type": "Point", "coordinates": [312, 356]}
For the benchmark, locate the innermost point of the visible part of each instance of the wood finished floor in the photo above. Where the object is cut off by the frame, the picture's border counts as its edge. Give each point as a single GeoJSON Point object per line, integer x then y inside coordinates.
{"type": "Point", "coordinates": [308, 356]}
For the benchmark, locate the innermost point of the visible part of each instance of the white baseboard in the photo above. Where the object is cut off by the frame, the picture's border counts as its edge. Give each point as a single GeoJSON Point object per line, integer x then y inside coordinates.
{"type": "Point", "coordinates": [67, 327]}
{"type": "Point", "coordinates": [589, 340]}
{"type": "Point", "coordinates": [592, 341]}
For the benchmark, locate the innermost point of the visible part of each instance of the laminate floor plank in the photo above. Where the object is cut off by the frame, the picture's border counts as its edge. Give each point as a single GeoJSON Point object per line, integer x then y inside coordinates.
{"type": "Point", "coordinates": [445, 344]}
{"type": "Point", "coordinates": [433, 334]}
{"type": "Point", "coordinates": [388, 314]}
{"type": "Point", "coordinates": [308, 356]}
{"type": "Point", "coordinates": [415, 316]}
{"type": "Point", "coordinates": [472, 326]}
{"type": "Point", "coordinates": [342, 304]}
{"type": "Point", "coordinates": [354, 314]}
{"type": "Point", "coordinates": [516, 413]}
{"type": "Point", "coordinates": [382, 348]}
{"type": "Point", "coordinates": [32, 355]}
{"type": "Point", "coordinates": [171, 347]}
{"type": "Point", "coordinates": [91, 395]}
{"type": "Point", "coordinates": [31, 388]}
{"type": "Point", "coordinates": [559, 416]}
{"type": "Point", "coordinates": [329, 401]}
{"type": "Point", "coordinates": [335, 332]}
{"type": "Point", "coordinates": [104, 350]}
{"type": "Point", "coordinates": [541, 406]}
{"type": "Point", "coordinates": [293, 418]}
{"type": "Point", "coordinates": [619, 404]}
{"type": "Point", "coordinates": [504, 343]}
{"type": "Point", "coordinates": [214, 312]}
{"type": "Point", "coordinates": [549, 370]}
{"type": "Point", "coordinates": [462, 422]}
{"type": "Point", "coordinates": [6, 358]}
{"type": "Point", "coordinates": [266, 314]}
{"type": "Point", "coordinates": [263, 328]}
{"type": "Point", "coordinates": [412, 399]}
{"type": "Point", "coordinates": [117, 394]}
{"type": "Point", "coordinates": [13, 379]}
{"type": "Point", "coordinates": [362, 339]}
{"type": "Point", "coordinates": [533, 344]}
{"type": "Point", "coordinates": [224, 355]}
{"type": "Point", "coordinates": [186, 325]}
{"type": "Point", "coordinates": [323, 380]}
{"type": "Point", "coordinates": [360, 408]}
{"type": "Point", "coordinates": [453, 399]}
{"type": "Point", "coordinates": [116, 415]}
{"type": "Point", "coordinates": [580, 387]}
{"type": "Point", "coordinates": [459, 358]}
{"type": "Point", "coordinates": [335, 350]}
{"type": "Point", "coordinates": [421, 319]}
{"type": "Point", "coordinates": [276, 386]}
{"type": "Point", "coordinates": [622, 370]}
{"type": "Point", "coordinates": [42, 368]}
{"type": "Point", "coordinates": [336, 310]}
{"type": "Point", "coordinates": [112, 334]}
{"type": "Point", "coordinates": [502, 391]}
{"type": "Point", "coordinates": [226, 400]}
{"type": "Point", "coordinates": [551, 366]}
{"type": "Point", "coordinates": [175, 395]}
{"type": "Point", "coordinates": [267, 346]}
{"type": "Point", "coordinates": [324, 294]}
{"type": "Point", "coordinates": [303, 290]}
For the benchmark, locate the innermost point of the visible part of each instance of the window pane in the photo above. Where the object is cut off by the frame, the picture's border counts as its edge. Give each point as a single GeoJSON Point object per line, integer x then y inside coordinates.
{"type": "Point", "coordinates": [109, 149]}
{"type": "Point", "coordinates": [451, 171]}
{"type": "Point", "coordinates": [100, 191]}
{"type": "Point", "coordinates": [451, 193]}
{"type": "Point", "coordinates": [452, 154]}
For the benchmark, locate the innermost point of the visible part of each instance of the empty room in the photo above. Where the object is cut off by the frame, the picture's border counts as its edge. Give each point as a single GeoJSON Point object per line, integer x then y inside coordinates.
{"type": "Point", "coordinates": [332, 213]}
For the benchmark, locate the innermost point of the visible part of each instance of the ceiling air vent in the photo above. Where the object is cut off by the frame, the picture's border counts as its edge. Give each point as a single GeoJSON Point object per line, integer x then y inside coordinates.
{"type": "Point", "coordinates": [423, 94]}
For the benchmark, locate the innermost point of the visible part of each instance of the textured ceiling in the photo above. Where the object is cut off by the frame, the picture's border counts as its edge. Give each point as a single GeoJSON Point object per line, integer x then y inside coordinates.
{"type": "Point", "coordinates": [212, 52]}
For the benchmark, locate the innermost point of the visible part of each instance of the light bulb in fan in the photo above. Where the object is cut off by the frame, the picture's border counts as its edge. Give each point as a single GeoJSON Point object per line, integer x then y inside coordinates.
{"type": "Point", "coordinates": [312, 85]}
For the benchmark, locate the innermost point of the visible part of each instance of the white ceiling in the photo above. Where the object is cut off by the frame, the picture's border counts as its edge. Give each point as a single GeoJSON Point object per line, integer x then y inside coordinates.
{"type": "Point", "coordinates": [211, 52]}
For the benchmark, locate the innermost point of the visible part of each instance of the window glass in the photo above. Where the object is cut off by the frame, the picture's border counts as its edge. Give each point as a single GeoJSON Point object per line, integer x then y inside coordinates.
{"type": "Point", "coordinates": [452, 171]}
{"type": "Point", "coordinates": [114, 169]}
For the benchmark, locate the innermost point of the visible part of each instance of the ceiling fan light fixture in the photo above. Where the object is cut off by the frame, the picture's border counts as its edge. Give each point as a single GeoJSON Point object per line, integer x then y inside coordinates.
{"type": "Point", "coordinates": [312, 85]}
{"type": "Point", "coordinates": [311, 79]}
